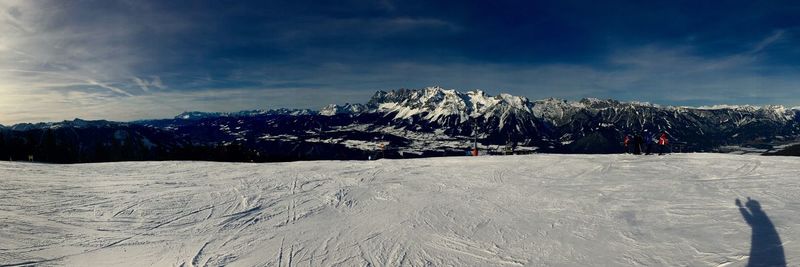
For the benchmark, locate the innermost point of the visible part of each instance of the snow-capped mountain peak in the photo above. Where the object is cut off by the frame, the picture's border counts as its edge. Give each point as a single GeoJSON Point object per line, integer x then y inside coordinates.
{"type": "Point", "coordinates": [446, 106]}
{"type": "Point", "coordinates": [347, 108]}
{"type": "Point", "coordinates": [436, 119]}
{"type": "Point", "coordinates": [199, 115]}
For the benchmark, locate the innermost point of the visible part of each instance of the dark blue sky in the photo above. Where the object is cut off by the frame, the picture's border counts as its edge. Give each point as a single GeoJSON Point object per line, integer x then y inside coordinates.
{"type": "Point", "coordinates": [142, 59]}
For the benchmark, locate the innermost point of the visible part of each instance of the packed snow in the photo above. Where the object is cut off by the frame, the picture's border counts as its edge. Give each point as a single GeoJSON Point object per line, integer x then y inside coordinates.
{"type": "Point", "coordinates": [533, 210]}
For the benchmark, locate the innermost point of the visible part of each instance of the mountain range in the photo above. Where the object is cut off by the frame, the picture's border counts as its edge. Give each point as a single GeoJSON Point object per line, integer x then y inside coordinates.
{"type": "Point", "coordinates": [409, 123]}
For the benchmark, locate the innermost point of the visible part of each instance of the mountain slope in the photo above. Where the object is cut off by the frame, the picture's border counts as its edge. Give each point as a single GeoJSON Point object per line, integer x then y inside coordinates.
{"type": "Point", "coordinates": [422, 122]}
{"type": "Point", "coordinates": [506, 118]}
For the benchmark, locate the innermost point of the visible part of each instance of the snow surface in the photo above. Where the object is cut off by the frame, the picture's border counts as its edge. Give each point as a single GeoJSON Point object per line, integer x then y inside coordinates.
{"type": "Point", "coordinates": [535, 210]}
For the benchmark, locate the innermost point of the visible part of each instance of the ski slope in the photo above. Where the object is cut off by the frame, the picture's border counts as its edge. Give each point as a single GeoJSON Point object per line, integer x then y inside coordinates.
{"type": "Point", "coordinates": [535, 210]}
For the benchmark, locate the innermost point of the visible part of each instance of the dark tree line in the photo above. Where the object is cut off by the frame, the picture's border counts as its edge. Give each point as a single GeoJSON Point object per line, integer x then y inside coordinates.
{"type": "Point", "coordinates": [75, 145]}
{"type": "Point", "coordinates": [138, 143]}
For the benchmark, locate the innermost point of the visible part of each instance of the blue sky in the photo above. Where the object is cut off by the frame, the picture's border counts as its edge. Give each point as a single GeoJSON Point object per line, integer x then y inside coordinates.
{"type": "Point", "coordinates": [125, 60]}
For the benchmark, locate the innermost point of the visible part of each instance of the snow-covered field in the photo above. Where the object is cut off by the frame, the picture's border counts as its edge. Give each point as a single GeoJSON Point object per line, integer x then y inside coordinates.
{"type": "Point", "coordinates": [536, 210]}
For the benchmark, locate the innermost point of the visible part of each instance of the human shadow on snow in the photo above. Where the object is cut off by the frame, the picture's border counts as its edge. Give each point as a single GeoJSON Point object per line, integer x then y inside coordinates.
{"type": "Point", "coordinates": [766, 248]}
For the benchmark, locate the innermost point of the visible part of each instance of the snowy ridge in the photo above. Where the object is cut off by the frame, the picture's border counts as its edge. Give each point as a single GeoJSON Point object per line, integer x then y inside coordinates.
{"type": "Point", "coordinates": [196, 115]}
{"type": "Point", "coordinates": [334, 109]}
{"type": "Point", "coordinates": [436, 104]}
{"type": "Point", "coordinates": [433, 121]}
{"type": "Point", "coordinates": [734, 107]}
{"type": "Point", "coordinates": [433, 117]}
{"type": "Point", "coordinates": [76, 123]}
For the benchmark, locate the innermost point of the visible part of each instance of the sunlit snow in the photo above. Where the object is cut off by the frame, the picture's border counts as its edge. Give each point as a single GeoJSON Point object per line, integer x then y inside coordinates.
{"type": "Point", "coordinates": [534, 210]}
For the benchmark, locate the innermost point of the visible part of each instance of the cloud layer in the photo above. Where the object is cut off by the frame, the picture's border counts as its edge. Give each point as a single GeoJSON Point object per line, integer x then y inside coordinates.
{"type": "Point", "coordinates": [125, 60]}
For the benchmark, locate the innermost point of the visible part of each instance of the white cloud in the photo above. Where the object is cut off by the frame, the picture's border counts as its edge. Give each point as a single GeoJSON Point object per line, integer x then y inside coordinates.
{"type": "Point", "coordinates": [156, 82]}
{"type": "Point", "coordinates": [145, 85]}
{"type": "Point", "coordinates": [55, 65]}
{"type": "Point", "coordinates": [44, 42]}
{"type": "Point", "coordinates": [775, 37]}
{"type": "Point", "coordinates": [109, 87]}
{"type": "Point", "coordinates": [142, 84]}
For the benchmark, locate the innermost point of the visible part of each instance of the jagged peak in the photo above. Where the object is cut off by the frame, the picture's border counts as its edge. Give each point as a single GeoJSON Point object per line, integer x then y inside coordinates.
{"type": "Point", "coordinates": [435, 102]}
{"type": "Point", "coordinates": [188, 115]}
{"type": "Point", "coordinates": [196, 115]}
{"type": "Point", "coordinates": [591, 102]}
{"type": "Point", "coordinates": [777, 109]}
{"type": "Point", "coordinates": [347, 108]}
{"type": "Point", "coordinates": [551, 100]}
{"type": "Point", "coordinates": [437, 89]}
{"type": "Point", "coordinates": [478, 92]}
{"type": "Point", "coordinates": [732, 107]}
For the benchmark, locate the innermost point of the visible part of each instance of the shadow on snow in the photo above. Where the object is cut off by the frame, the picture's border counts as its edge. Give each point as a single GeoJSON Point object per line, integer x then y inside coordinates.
{"type": "Point", "coordinates": [766, 248]}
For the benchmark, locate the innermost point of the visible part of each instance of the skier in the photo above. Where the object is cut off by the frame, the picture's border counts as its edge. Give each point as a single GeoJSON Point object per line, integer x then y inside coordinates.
{"type": "Point", "coordinates": [626, 143]}
{"type": "Point", "coordinates": [637, 144]}
{"type": "Point", "coordinates": [662, 143]}
{"type": "Point", "coordinates": [648, 139]}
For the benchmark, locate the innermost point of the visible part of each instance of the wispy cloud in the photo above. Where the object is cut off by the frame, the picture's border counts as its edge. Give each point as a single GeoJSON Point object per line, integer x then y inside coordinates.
{"type": "Point", "coordinates": [142, 84]}
{"type": "Point", "coordinates": [145, 85]}
{"type": "Point", "coordinates": [44, 75]}
{"type": "Point", "coordinates": [157, 83]}
{"type": "Point", "coordinates": [775, 37]}
{"type": "Point", "coordinates": [138, 59]}
{"type": "Point", "coordinates": [109, 87]}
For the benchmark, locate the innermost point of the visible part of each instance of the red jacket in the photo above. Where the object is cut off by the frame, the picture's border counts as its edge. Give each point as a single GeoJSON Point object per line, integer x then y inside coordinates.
{"type": "Point", "coordinates": [663, 139]}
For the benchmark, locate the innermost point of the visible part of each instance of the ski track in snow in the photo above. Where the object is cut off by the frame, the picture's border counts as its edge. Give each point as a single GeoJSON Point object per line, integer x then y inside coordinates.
{"type": "Point", "coordinates": [535, 210]}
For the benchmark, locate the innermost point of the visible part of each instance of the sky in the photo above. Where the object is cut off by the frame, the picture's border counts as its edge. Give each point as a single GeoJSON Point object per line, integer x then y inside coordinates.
{"type": "Point", "coordinates": [128, 60]}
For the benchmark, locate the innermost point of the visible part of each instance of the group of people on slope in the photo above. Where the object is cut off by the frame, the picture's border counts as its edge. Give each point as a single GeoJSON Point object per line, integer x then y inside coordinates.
{"type": "Point", "coordinates": [646, 143]}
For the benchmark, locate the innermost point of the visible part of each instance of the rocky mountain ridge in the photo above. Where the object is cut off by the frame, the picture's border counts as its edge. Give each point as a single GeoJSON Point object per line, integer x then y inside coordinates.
{"type": "Point", "coordinates": [431, 121]}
